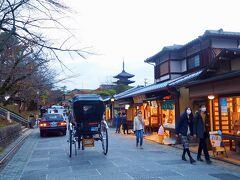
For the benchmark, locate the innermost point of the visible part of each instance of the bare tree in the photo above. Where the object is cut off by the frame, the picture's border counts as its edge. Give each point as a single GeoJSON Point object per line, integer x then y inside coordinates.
{"type": "Point", "coordinates": [24, 46]}
{"type": "Point", "coordinates": [26, 18]}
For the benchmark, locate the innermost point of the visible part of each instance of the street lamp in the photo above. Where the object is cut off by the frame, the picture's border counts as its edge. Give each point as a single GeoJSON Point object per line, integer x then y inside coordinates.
{"type": "Point", "coordinates": [37, 98]}
{"type": "Point", "coordinates": [127, 106]}
{"type": "Point", "coordinates": [6, 97]}
{"type": "Point", "coordinates": [112, 103]}
{"type": "Point", "coordinates": [211, 97]}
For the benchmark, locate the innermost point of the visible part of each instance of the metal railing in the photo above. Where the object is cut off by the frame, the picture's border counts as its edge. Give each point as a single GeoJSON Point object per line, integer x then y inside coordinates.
{"type": "Point", "coordinates": [12, 116]}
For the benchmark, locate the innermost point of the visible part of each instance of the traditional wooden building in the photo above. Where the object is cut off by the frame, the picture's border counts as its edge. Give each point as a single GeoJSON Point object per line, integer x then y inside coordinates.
{"type": "Point", "coordinates": [174, 67]}
{"type": "Point", "coordinates": [219, 87]}
{"type": "Point", "coordinates": [198, 55]}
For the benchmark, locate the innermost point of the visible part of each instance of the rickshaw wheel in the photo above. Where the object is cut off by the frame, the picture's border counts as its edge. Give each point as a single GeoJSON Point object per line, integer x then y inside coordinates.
{"type": "Point", "coordinates": [70, 142]}
{"type": "Point", "coordinates": [104, 140]}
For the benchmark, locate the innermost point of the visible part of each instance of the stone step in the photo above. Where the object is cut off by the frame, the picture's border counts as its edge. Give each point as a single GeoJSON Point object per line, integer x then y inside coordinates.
{"type": "Point", "coordinates": [24, 129]}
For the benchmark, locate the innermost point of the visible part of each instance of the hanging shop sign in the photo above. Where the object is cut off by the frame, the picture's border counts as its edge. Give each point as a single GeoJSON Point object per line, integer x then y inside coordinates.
{"type": "Point", "coordinates": [167, 105]}
{"type": "Point", "coordinates": [139, 98]}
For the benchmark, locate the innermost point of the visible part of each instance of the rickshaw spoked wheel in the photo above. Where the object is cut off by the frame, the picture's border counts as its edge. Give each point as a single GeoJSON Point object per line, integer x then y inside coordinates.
{"type": "Point", "coordinates": [104, 139]}
{"type": "Point", "coordinates": [70, 142]}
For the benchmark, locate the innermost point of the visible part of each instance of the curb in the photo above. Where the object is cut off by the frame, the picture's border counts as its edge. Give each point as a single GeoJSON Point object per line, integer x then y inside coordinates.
{"type": "Point", "coordinates": [12, 148]}
{"type": "Point", "coordinates": [216, 158]}
{"type": "Point", "coordinates": [174, 146]}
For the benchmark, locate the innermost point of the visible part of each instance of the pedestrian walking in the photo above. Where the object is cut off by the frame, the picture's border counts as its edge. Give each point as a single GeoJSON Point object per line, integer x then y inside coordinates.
{"type": "Point", "coordinates": [201, 130]}
{"type": "Point", "coordinates": [138, 126]}
{"type": "Point", "coordinates": [118, 122]}
{"type": "Point", "coordinates": [124, 123]}
{"type": "Point", "coordinates": [184, 130]}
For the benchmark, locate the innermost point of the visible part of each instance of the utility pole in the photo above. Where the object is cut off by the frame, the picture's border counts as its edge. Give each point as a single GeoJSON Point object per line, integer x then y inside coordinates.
{"type": "Point", "coordinates": [145, 81]}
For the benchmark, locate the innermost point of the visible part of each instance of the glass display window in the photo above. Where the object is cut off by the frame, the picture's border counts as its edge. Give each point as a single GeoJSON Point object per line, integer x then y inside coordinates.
{"type": "Point", "coordinates": [226, 111]}
{"type": "Point", "coordinates": [234, 108]}
{"type": "Point", "coordinates": [168, 116]}
{"type": "Point", "coordinates": [168, 112]}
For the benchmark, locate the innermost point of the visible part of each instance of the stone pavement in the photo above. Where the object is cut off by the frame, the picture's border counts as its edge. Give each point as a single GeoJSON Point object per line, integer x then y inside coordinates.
{"type": "Point", "coordinates": [47, 159]}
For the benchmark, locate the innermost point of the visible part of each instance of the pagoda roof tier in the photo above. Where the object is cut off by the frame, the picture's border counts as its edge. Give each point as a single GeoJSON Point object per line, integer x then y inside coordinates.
{"type": "Point", "coordinates": [123, 74]}
{"type": "Point", "coordinates": [124, 81]}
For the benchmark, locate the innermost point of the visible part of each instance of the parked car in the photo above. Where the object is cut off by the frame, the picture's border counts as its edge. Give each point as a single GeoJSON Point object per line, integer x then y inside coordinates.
{"type": "Point", "coordinates": [52, 123]}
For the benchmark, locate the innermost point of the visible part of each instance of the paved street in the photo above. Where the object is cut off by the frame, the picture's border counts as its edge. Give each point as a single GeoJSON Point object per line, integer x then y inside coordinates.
{"type": "Point", "coordinates": [47, 158]}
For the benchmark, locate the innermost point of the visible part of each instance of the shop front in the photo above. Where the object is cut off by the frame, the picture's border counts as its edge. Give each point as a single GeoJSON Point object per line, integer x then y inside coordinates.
{"type": "Point", "coordinates": [168, 110]}
{"type": "Point", "coordinates": [157, 111]}
{"type": "Point", "coordinates": [160, 103]}
{"type": "Point", "coordinates": [222, 95]}
{"type": "Point", "coordinates": [226, 117]}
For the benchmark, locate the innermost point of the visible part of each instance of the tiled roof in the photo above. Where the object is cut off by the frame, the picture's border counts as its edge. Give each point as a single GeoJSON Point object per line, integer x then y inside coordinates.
{"type": "Point", "coordinates": [219, 77]}
{"type": "Point", "coordinates": [164, 49]}
{"type": "Point", "coordinates": [184, 79]}
{"type": "Point", "coordinates": [160, 86]}
{"type": "Point", "coordinates": [206, 34]}
{"type": "Point", "coordinates": [173, 47]}
{"type": "Point", "coordinates": [220, 32]}
{"type": "Point", "coordinates": [123, 81]}
{"type": "Point", "coordinates": [124, 74]}
{"type": "Point", "coordinates": [117, 96]}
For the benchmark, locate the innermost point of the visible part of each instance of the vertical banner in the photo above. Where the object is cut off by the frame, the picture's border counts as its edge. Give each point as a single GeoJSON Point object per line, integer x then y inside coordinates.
{"type": "Point", "coordinates": [223, 104]}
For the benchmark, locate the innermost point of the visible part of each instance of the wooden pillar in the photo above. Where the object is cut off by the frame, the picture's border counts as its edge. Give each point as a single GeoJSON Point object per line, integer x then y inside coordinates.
{"type": "Point", "coordinates": [158, 114]}
{"type": "Point", "coordinates": [177, 108]}
{"type": "Point", "coordinates": [211, 114]}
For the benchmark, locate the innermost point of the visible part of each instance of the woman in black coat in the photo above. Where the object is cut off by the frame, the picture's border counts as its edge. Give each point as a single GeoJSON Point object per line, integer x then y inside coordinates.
{"type": "Point", "coordinates": [184, 129]}
{"type": "Point", "coordinates": [201, 130]}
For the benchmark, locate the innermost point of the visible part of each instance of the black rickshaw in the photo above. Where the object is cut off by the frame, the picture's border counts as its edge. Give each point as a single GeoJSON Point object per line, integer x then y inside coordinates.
{"type": "Point", "coordinates": [87, 124]}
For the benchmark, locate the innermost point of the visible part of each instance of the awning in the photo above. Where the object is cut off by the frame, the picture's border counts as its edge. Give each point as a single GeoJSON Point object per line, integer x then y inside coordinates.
{"type": "Point", "coordinates": [123, 102]}
{"type": "Point", "coordinates": [118, 96]}
{"type": "Point", "coordinates": [220, 87]}
{"type": "Point", "coordinates": [220, 77]}
{"type": "Point", "coordinates": [154, 98]}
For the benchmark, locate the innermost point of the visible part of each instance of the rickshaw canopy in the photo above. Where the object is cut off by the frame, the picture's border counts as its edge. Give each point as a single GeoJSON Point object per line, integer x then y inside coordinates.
{"type": "Point", "coordinates": [88, 108]}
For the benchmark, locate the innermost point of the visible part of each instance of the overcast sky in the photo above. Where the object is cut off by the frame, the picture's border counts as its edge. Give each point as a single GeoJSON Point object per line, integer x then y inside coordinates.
{"type": "Point", "coordinates": [135, 30]}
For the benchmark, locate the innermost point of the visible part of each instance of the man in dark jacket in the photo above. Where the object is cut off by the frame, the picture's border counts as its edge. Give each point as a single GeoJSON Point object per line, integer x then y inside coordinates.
{"type": "Point", "coordinates": [118, 122]}
{"type": "Point", "coordinates": [124, 123]}
{"type": "Point", "coordinates": [184, 129]}
{"type": "Point", "coordinates": [201, 129]}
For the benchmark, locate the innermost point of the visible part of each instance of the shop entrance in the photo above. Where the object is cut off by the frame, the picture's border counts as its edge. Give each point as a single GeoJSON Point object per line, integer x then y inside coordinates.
{"type": "Point", "coordinates": [226, 113]}
{"type": "Point", "coordinates": [226, 117]}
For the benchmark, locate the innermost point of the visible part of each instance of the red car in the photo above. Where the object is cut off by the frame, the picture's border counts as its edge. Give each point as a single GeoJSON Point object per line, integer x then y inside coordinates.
{"type": "Point", "coordinates": [52, 123]}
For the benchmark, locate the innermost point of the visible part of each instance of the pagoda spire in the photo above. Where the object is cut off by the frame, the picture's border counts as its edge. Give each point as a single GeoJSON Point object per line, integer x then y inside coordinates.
{"type": "Point", "coordinates": [123, 77]}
